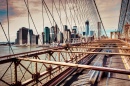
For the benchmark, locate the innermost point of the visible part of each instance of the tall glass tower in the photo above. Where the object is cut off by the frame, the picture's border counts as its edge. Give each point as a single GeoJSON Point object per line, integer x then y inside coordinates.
{"type": "Point", "coordinates": [87, 28]}
{"type": "Point", "coordinates": [46, 35]}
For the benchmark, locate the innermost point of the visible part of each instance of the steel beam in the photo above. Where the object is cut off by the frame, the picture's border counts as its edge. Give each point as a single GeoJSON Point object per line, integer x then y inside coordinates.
{"type": "Point", "coordinates": [124, 48]}
{"type": "Point", "coordinates": [122, 54]}
{"type": "Point", "coordinates": [114, 70]}
{"type": "Point", "coordinates": [31, 53]}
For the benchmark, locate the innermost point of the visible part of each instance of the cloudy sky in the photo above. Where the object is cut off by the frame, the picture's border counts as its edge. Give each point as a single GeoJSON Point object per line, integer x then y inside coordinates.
{"type": "Point", "coordinates": [18, 15]}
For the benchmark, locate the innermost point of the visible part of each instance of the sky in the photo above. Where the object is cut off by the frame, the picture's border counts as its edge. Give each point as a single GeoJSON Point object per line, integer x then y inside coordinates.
{"type": "Point", "coordinates": [18, 15]}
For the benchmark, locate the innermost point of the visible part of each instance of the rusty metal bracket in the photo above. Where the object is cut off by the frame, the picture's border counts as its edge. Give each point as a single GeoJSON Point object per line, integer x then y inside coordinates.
{"type": "Point", "coordinates": [50, 52]}
{"type": "Point", "coordinates": [36, 76]}
{"type": "Point", "coordinates": [18, 83]}
{"type": "Point", "coordinates": [49, 68]}
{"type": "Point", "coordinates": [66, 46]}
{"type": "Point", "coordinates": [16, 61]}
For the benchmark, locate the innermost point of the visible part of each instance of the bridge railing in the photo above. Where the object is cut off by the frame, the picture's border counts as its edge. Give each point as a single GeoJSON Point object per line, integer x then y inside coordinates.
{"type": "Point", "coordinates": [20, 72]}
{"type": "Point", "coordinates": [34, 67]}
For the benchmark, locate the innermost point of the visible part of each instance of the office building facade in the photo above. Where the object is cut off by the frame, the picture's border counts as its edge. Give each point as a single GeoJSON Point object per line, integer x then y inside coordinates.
{"type": "Point", "coordinates": [46, 35]}
{"type": "Point", "coordinates": [52, 35]}
{"type": "Point", "coordinates": [25, 36]}
{"type": "Point", "coordinates": [91, 33]}
{"type": "Point", "coordinates": [60, 37]}
{"type": "Point", "coordinates": [87, 28]}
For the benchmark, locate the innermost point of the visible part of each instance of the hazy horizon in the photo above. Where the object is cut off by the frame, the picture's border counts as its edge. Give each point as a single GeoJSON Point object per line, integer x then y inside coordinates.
{"type": "Point", "coordinates": [18, 16]}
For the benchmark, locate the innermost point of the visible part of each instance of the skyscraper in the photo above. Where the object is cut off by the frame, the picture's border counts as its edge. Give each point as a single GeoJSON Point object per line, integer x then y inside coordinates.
{"type": "Point", "coordinates": [46, 35]}
{"type": "Point", "coordinates": [33, 39]}
{"type": "Point", "coordinates": [60, 37]}
{"type": "Point", "coordinates": [52, 35]}
{"type": "Point", "coordinates": [24, 36]}
{"type": "Point", "coordinates": [65, 27]}
{"type": "Point", "coordinates": [87, 28]}
{"type": "Point", "coordinates": [17, 39]}
{"type": "Point", "coordinates": [20, 37]}
{"type": "Point", "coordinates": [99, 30]}
{"type": "Point", "coordinates": [74, 30]}
{"type": "Point", "coordinates": [42, 37]}
{"type": "Point", "coordinates": [69, 35]}
{"type": "Point", "coordinates": [84, 33]}
{"type": "Point", "coordinates": [28, 37]}
{"type": "Point", "coordinates": [23, 32]}
{"type": "Point", "coordinates": [37, 37]}
{"type": "Point", "coordinates": [91, 33]}
{"type": "Point", "coordinates": [30, 33]}
{"type": "Point", "coordinates": [56, 31]}
{"type": "Point", "coordinates": [65, 33]}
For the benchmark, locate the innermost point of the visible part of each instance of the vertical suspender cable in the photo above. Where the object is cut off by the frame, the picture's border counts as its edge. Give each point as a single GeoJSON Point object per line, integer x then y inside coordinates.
{"type": "Point", "coordinates": [9, 36]}
{"type": "Point", "coordinates": [28, 32]}
{"type": "Point", "coordinates": [52, 11]}
{"type": "Point", "coordinates": [31, 18]}
{"type": "Point", "coordinates": [100, 17]}
{"type": "Point", "coordinates": [42, 14]}
{"type": "Point", "coordinates": [6, 36]}
{"type": "Point", "coordinates": [46, 8]}
{"type": "Point", "coordinates": [29, 25]}
{"type": "Point", "coordinates": [120, 15]}
{"type": "Point", "coordinates": [8, 25]}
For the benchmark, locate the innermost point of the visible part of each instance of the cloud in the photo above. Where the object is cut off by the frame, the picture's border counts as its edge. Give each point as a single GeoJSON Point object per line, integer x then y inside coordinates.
{"type": "Point", "coordinates": [18, 15]}
{"type": "Point", "coordinates": [2, 4]}
{"type": "Point", "coordinates": [3, 10]}
{"type": "Point", "coordinates": [109, 11]}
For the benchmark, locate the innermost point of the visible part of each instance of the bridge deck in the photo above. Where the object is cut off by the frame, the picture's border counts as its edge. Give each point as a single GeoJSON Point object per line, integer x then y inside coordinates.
{"type": "Point", "coordinates": [115, 79]}
{"type": "Point", "coordinates": [46, 64]}
{"type": "Point", "coordinates": [108, 79]}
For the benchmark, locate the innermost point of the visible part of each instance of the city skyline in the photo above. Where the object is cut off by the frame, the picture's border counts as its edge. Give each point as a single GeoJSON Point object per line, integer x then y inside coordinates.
{"type": "Point", "coordinates": [18, 15]}
{"type": "Point", "coordinates": [25, 36]}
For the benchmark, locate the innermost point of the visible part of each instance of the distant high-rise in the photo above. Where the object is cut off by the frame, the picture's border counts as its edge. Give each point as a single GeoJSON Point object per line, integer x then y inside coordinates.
{"type": "Point", "coordinates": [74, 30]}
{"type": "Point", "coordinates": [68, 35]}
{"type": "Point", "coordinates": [46, 35]}
{"type": "Point", "coordinates": [87, 28]}
{"type": "Point", "coordinates": [77, 35]}
{"type": "Point", "coordinates": [60, 37]}
{"type": "Point", "coordinates": [65, 27]}
{"type": "Point", "coordinates": [25, 36]}
{"type": "Point", "coordinates": [52, 29]}
{"type": "Point", "coordinates": [52, 35]}
{"type": "Point", "coordinates": [91, 33]}
{"type": "Point", "coordinates": [31, 33]}
{"type": "Point", "coordinates": [37, 37]}
{"type": "Point", "coordinates": [84, 33]}
{"type": "Point", "coordinates": [42, 37]}
{"type": "Point", "coordinates": [20, 37]}
{"type": "Point", "coordinates": [28, 38]}
{"type": "Point", "coordinates": [65, 33]}
{"type": "Point", "coordinates": [33, 39]}
{"type": "Point", "coordinates": [99, 30]}
{"type": "Point", "coordinates": [17, 39]}
{"type": "Point", "coordinates": [23, 32]}
{"type": "Point", "coordinates": [56, 31]}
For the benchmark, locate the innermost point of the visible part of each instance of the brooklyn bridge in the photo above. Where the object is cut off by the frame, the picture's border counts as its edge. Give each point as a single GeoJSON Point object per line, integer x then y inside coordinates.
{"type": "Point", "coordinates": [75, 51]}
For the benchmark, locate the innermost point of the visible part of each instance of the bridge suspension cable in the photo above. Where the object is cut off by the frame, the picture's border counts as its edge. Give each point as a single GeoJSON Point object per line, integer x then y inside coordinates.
{"type": "Point", "coordinates": [10, 48]}
{"type": "Point", "coordinates": [6, 37]}
{"type": "Point", "coordinates": [31, 18]}
{"type": "Point", "coordinates": [100, 17]}
{"type": "Point", "coordinates": [46, 8]}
